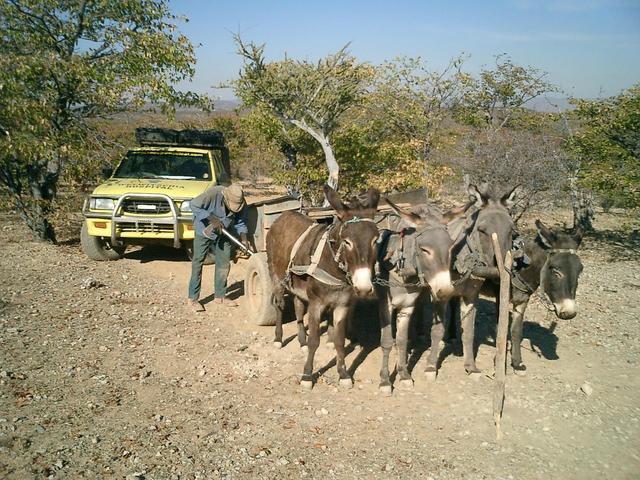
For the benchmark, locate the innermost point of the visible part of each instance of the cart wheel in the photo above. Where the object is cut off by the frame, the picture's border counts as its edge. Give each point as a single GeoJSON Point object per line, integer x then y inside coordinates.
{"type": "Point", "coordinates": [259, 290]}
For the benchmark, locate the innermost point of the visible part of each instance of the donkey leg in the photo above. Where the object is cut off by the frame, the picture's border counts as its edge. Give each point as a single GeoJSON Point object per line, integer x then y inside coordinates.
{"type": "Point", "coordinates": [278, 301]}
{"type": "Point", "coordinates": [402, 339]}
{"type": "Point", "coordinates": [340, 315]}
{"type": "Point", "coordinates": [315, 310]}
{"type": "Point", "coordinates": [516, 337]}
{"type": "Point", "coordinates": [437, 333]}
{"type": "Point", "coordinates": [468, 318]}
{"type": "Point", "coordinates": [386, 342]}
{"type": "Point", "coordinates": [299, 308]}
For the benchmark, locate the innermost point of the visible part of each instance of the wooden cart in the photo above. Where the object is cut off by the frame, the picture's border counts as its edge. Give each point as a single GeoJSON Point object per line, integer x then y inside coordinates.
{"type": "Point", "coordinates": [258, 286]}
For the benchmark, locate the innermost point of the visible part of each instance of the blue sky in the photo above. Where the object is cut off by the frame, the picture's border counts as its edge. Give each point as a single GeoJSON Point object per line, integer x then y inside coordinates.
{"type": "Point", "coordinates": [590, 48]}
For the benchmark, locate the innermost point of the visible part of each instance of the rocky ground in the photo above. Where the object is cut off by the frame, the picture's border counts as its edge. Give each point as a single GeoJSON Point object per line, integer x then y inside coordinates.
{"type": "Point", "coordinates": [105, 374]}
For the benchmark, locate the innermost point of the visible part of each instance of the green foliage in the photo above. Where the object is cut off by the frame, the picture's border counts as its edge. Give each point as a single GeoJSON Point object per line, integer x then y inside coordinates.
{"type": "Point", "coordinates": [498, 96]}
{"type": "Point", "coordinates": [412, 102]}
{"type": "Point", "coordinates": [309, 96]}
{"type": "Point", "coordinates": [63, 63]}
{"type": "Point", "coordinates": [608, 146]}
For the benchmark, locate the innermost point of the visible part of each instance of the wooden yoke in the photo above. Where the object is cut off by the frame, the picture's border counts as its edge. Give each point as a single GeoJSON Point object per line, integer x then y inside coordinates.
{"type": "Point", "coordinates": [500, 361]}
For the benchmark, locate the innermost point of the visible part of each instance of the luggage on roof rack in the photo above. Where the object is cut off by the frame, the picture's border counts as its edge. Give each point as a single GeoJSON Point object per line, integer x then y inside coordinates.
{"type": "Point", "coordinates": [183, 138]}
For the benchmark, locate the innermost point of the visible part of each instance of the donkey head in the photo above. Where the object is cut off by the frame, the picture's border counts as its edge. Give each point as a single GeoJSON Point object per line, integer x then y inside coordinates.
{"type": "Point", "coordinates": [492, 217]}
{"type": "Point", "coordinates": [559, 275]}
{"type": "Point", "coordinates": [357, 236]}
{"type": "Point", "coordinates": [433, 245]}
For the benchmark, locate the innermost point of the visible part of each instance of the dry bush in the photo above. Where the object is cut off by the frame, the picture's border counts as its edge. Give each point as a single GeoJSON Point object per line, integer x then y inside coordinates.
{"type": "Point", "coordinates": [509, 158]}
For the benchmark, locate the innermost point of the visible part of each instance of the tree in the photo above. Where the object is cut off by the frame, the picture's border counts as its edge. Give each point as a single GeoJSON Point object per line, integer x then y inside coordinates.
{"type": "Point", "coordinates": [64, 62]}
{"type": "Point", "coordinates": [607, 145]}
{"type": "Point", "coordinates": [309, 96]}
{"type": "Point", "coordinates": [412, 102]}
{"type": "Point", "coordinates": [508, 144]}
{"type": "Point", "coordinates": [508, 158]}
{"type": "Point", "coordinates": [496, 96]}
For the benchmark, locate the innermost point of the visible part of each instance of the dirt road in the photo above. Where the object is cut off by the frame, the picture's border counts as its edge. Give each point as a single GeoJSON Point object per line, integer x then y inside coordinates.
{"type": "Point", "coordinates": [105, 374]}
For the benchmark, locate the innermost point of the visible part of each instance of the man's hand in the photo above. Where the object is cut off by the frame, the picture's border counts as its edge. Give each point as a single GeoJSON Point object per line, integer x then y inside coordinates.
{"type": "Point", "coordinates": [215, 225]}
{"type": "Point", "coordinates": [245, 241]}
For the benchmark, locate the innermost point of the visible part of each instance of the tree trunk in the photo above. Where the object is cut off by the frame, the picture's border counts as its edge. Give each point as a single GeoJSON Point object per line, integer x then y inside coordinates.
{"type": "Point", "coordinates": [34, 190]}
{"type": "Point", "coordinates": [582, 204]}
{"type": "Point", "coordinates": [323, 139]}
{"type": "Point", "coordinates": [583, 212]}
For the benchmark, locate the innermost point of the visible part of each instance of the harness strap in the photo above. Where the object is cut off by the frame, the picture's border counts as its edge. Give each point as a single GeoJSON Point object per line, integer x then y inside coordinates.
{"type": "Point", "coordinates": [563, 250]}
{"type": "Point", "coordinates": [312, 269]}
{"type": "Point", "coordinates": [296, 245]}
{"type": "Point", "coordinates": [315, 258]}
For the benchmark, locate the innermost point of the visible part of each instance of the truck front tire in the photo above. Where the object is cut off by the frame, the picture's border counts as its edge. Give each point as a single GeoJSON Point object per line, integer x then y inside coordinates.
{"type": "Point", "coordinates": [97, 248]}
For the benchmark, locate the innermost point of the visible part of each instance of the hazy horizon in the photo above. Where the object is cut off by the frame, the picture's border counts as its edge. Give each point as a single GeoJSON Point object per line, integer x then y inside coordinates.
{"type": "Point", "coordinates": [589, 48]}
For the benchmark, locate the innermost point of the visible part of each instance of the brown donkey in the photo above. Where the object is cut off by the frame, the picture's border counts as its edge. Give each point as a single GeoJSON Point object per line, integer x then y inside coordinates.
{"type": "Point", "coordinates": [325, 267]}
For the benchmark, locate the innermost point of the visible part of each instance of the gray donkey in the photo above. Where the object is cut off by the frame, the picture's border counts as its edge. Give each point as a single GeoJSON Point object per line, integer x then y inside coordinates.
{"type": "Point", "coordinates": [553, 265]}
{"type": "Point", "coordinates": [474, 262]}
{"type": "Point", "coordinates": [415, 255]}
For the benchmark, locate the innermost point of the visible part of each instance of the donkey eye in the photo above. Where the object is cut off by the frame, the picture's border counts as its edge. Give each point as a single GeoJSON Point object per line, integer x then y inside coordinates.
{"type": "Point", "coordinates": [349, 244]}
{"type": "Point", "coordinates": [557, 273]}
{"type": "Point", "coordinates": [428, 251]}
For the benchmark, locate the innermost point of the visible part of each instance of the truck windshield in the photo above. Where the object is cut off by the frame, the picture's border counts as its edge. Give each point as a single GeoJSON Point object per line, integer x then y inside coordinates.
{"type": "Point", "coordinates": [169, 165]}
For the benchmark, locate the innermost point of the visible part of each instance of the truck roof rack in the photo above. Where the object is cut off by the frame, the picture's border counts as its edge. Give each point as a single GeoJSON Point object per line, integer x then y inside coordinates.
{"type": "Point", "coordinates": [179, 138]}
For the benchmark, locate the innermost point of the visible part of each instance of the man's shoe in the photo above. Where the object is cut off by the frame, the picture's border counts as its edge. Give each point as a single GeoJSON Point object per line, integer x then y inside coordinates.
{"type": "Point", "coordinates": [195, 305]}
{"type": "Point", "coordinates": [225, 302]}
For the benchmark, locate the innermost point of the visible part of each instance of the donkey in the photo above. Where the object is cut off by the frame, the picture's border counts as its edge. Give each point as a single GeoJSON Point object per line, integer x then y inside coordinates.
{"type": "Point", "coordinates": [475, 264]}
{"type": "Point", "coordinates": [325, 267]}
{"type": "Point", "coordinates": [553, 265]}
{"type": "Point", "coordinates": [416, 256]}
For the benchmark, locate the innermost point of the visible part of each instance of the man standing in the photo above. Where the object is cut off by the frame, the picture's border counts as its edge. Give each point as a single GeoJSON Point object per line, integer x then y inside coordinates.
{"type": "Point", "coordinates": [218, 207]}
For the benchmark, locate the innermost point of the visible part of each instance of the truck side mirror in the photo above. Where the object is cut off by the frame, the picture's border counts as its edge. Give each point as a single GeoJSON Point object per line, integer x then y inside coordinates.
{"type": "Point", "coordinates": [107, 172]}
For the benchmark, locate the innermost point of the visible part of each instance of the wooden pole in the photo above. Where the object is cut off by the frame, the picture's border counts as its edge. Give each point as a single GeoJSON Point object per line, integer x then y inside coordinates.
{"type": "Point", "coordinates": [500, 361]}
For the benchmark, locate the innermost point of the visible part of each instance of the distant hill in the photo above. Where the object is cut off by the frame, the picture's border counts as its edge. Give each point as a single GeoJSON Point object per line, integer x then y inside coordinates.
{"type": "Point", "coordinates": [549, 104]}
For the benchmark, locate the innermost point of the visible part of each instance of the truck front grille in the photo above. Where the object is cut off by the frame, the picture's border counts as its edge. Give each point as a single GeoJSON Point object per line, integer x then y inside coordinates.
{"type": "Point", "coordinates": [125, 227]}
{"type": "Point", "coordinates": [146, 207]}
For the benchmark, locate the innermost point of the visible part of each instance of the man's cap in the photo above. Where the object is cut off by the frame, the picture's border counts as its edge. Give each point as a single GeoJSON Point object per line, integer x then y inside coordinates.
{"type": "Point", "coordinates": [233, 198]}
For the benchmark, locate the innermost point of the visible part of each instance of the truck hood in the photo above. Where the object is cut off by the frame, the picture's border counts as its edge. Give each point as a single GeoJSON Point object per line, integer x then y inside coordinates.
{"type": "Point", "coordinates": [176, 189]}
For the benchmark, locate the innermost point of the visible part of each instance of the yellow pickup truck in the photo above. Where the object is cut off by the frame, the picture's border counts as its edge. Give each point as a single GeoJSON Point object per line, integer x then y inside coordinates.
{"type": "Point", "coordinates": [146, 199]}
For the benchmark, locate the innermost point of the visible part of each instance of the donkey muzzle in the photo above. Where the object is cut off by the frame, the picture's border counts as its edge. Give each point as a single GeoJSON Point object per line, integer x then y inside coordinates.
{"type": "Point", "coordinates": [361, 280]}
{"type": "Point", "coordinates": [566, 309]}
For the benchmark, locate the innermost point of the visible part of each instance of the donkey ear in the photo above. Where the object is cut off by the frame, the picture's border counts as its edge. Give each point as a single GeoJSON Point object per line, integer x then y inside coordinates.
{"type": "Point", "coordinates": [545, 234]}
{"type": "Point", "coordinates": [455, 213]}
{"type": "Point", "coordinates": [373, 197]}
{"type": "Point", "coordinates": [508, 199]}
{"type": "Point", "coordinates": [413, 219]}
{"type": "Point", "coordinates": [333, 198]}
{"type": "Point", "coordinates": [476, 197]}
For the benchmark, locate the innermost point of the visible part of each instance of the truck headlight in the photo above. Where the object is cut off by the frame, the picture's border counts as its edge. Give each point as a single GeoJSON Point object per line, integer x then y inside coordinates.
{"type": "Point", "coordinates": [186, 206]}
{"type": "Point", "coordinates": [97, 203]}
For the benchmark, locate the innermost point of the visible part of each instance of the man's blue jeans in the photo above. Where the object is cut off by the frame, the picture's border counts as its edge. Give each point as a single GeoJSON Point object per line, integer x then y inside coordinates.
{"type": "Point", "coordinates": [222, 250]}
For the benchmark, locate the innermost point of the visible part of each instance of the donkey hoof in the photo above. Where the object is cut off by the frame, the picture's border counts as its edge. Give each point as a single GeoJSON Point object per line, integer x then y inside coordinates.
{"type": "Point", "coordinates": [277, 345]}
{"type": "Point", "coordinates": [430, 375]}
{"type": "Point", "coordinates": [405, 384]}
{"type": "Point", "coordinates": [474, 374]}
{"type": "Point", "coordinates": [520, 369]}
{"type": "Point", "coordinates": [306, 385]}
{"type": "Point", "coordinates": [346, 383]}
{"type": "Point", "coordinates": [386, 390]}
